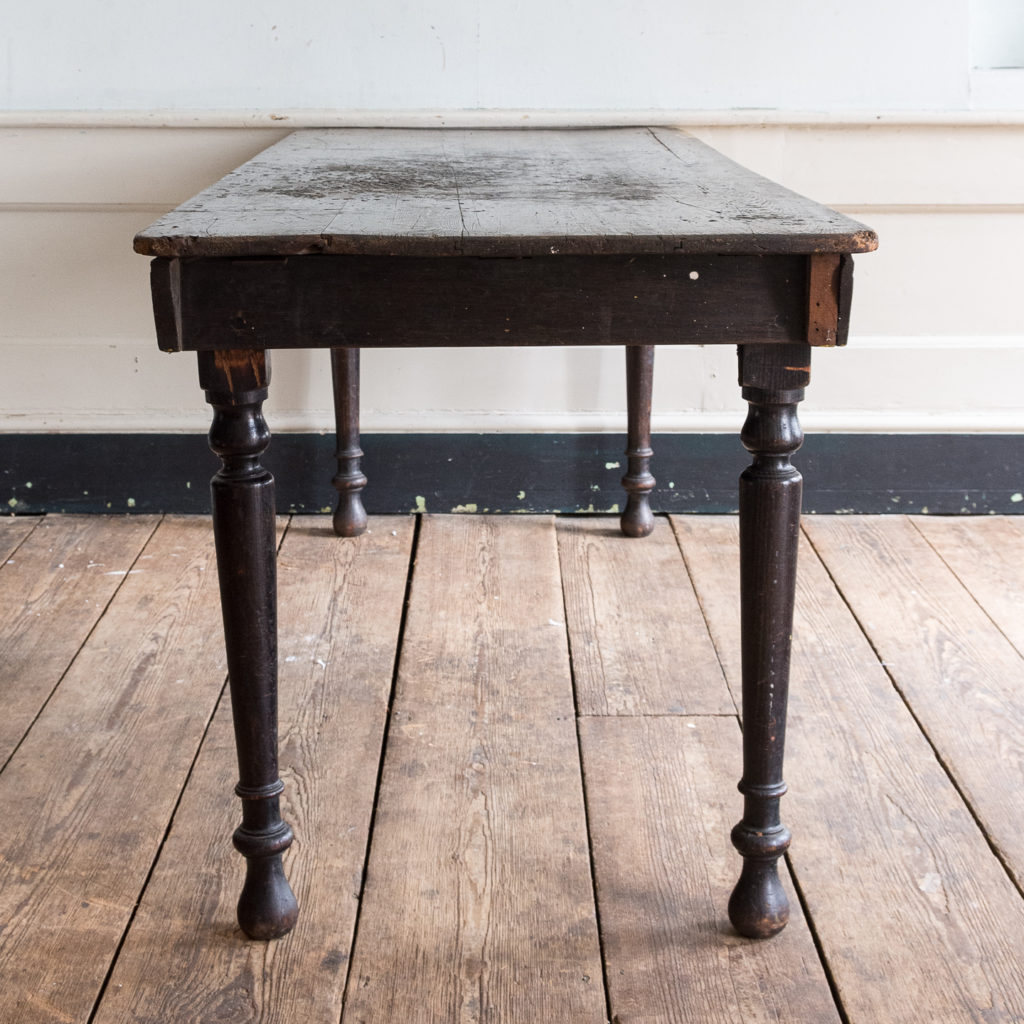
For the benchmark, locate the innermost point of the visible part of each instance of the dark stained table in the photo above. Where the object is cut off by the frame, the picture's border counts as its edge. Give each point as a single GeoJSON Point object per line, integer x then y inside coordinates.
{"type": "Point", "coordinates": [348, 239]}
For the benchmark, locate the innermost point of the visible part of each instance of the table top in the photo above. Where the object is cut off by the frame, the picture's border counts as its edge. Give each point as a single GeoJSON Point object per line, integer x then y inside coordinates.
{"type": "Point", "coordinates": [497, 192]}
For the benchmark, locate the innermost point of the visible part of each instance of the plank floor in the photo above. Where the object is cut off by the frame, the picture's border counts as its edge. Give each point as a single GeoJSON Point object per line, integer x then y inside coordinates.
{"type": "Point", "coordinates": [510, 748]}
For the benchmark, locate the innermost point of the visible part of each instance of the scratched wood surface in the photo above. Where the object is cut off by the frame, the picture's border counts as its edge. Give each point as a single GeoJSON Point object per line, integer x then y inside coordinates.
{"type": "Point", "coordinates": [496, 193]}
{"type": "Point", "coordinates": [88, 794]}
{"type": "Point", "coordinates": [625, 605]}
{"type": "Point", "coordinates": [479, 902]}
{"type": "Point", "coordinates": [53, 590]}
{"type": "Point", "coordinates": [986, 555]}
{"type": "Point", "coordinates": [13, 530]}
{"type": "Point", "coordinates": [659, 788]}
{"type": "Point", "coordinates": [184, 959]}
{"type": "Point", "coordinates": [944, 646]}
{"type": "Point", "coordinates": [117, 877]}
{"type": "Point", "coordinates": [917, 918]}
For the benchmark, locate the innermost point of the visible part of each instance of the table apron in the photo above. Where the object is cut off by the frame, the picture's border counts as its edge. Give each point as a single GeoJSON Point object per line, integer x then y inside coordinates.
{"type": "Point", "coordinates": [396, 301]}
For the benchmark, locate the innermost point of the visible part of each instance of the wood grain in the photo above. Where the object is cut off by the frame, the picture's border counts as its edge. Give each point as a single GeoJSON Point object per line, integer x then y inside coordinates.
{"type": "Point", "coordinates": [331, 301]}
{"type": "Point", "coordinates": [661, 800]}
{"type": "Point", "coordinates": [13, 530]}
{"type": "Point", "coordinates": [627, 605]}
{"type": "Point", "coordinates": [478, 901]}
{"type": "Point", "coordinates": [53, 590]}
{"type": "Point", "coordinates": [986, 554]}
{"type": "Point", "coordinates": [945, 655]}
{"type": "Point", "coordinates": [917, 919]}
{"type": "Point", "coordinates": [185, 958]}
{"type": "Point", "coordinates": [823, 292]}
{"type": "Point", "coordinates": [87, 796]}
{"type": "Point", "coordinates": [496, 193]}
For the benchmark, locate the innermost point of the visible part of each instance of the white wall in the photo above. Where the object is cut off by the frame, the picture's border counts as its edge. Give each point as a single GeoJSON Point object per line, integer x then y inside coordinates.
{"type": "Point", "coordinates": [116, 113]}
{"type": "Point", "coordinates": [997, 34]}
{"type": "Point", "coordinates": [573, 54]}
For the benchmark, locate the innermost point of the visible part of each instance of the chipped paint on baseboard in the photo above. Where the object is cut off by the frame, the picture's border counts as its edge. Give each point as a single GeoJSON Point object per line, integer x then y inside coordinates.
{"type": "Point", "coordinates": [929, 474]}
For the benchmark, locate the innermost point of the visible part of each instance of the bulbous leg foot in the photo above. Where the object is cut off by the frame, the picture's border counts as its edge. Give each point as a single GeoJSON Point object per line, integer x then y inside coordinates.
{"type": "Point", "coordinates": [637, 519]}
{"type": "Point", "coordinates": [349, 516]}
{"type": "Point", "coordinates": [759, 907]}
{"type": "Point", "coordinates": [267, 908]}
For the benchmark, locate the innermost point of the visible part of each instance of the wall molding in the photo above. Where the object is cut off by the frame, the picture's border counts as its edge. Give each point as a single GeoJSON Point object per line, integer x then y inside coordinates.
{"type": "Point", "coordinates": [862, 422]}
{"type": "Point", "coordinates": [944, 474]}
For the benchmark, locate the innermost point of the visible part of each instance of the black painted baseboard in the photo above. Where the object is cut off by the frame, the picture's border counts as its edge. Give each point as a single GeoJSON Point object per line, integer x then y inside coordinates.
{"type": "Point", "coordinates": [943, 474]}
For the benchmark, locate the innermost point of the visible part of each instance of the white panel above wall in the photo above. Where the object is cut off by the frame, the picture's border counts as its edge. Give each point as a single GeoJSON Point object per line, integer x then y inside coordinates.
{"type": "Point", "coordinates": [459, 54]}
{"type": "Point", "coordinates": [114, 167]}
{"type": "Point", "coordinates": [870, 166]}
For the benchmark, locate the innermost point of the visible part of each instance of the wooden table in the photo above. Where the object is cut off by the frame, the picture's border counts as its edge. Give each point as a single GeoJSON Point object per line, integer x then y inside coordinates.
{"type": "Point", "coordinates": [348, 239]}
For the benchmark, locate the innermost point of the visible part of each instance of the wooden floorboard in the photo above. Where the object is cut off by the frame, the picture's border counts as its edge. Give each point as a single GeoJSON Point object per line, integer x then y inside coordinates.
{"type": "Point", "coordinates": [185, 958]}
{"type": "Point", "coordinates": [13, 531]}
{"type": "Point", "coordinates": [479, 904]}
{"type": "Point", "coordinates": [917, 919]}
{"type": "Point", "coordinates": [53, 590]}
{"type": "Point", "coordinates": [986, 554]}
{"type": "Point", "coordinates": [117, 876]}
{"type": "Point", "coordinates": [87, 796]}
{"type": "Point", "coordinates": [624, 599]}
{"type": "Point", "coordinates": [961, 676]}
{"type": "Point", "coordinates": [661, 793]}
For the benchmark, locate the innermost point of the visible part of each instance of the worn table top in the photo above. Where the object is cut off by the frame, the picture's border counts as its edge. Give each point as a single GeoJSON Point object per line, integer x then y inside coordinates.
{"type": "Point", "coordinates": [448, 192]}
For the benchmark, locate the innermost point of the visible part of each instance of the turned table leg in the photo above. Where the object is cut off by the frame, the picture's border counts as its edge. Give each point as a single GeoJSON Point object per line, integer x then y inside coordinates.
{"type": "Point", "coordinates": [637, 519]}
{"type": "Point", "coordinates": [243, 522]}
{"type": "Point", "coordinates": [349, 481]}
{"type": "Point", "coordinates": [772, 378]}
